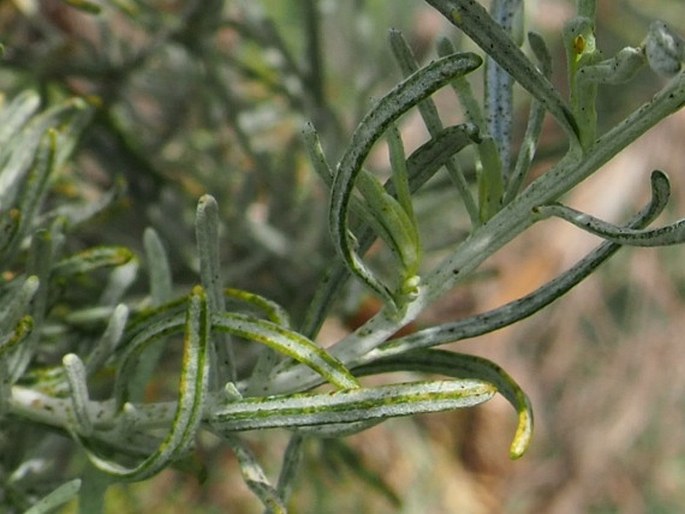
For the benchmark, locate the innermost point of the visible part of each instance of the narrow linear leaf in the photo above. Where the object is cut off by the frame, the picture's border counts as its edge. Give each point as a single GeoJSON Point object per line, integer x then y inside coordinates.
{"type": "Point", "coordinates": [92, 259]}
{"type": "Point", "coordinates": [422, 164]}
{"type": "Point", "coordinates": [408, 65]}
{"type": "Point", "coordinates": [193, 387]}
{"type": "Point", "coordinates": [474, 20]}
{"type": "Point", "coordinates": [24, 156]}
{"type": "Point", "coordinates": [541, 52]}
{"type": "Point", "coordinates": [158, 267]}
{"type": "Point", "coordinates": [397, 228]}
{"type": "Point", "coordinates": [526, 306]}
{"type": "Point", "coordinates": [671, 234]}
{"type": "Point", "coordinates": [273, 311]}
{"type": "Point", "coordinates": [582, 52]}
{"type": "Point", "coordinates": [8, 344]}
{"type": "Point", "coordinates": [291, 462]}
{"type": "Point", "coordinates": [316, 155]}
{"type": "Point", "coordinates": [464, 91]}
{"type": "Point", "coordinates": [400, 175]}
{"type": "Point", "coordinates": [663, 236]}
{"type": "Point", "coordinates": [34, 170]}
{"type": "Point", "coordinates": [207, 234]}
{"type": "Point", "coordinates": [76, 377]}
{"type": "Point", "coordinates": [16, 362]}
{"type": "Point", "coordinates": [161, 290]}
{"type": "Point", "coordinates": [534, 125]}
{"type": "Point", "coordinates": [490, 179]}
{"type": "Point", "coordinates": [10, 341]}
{"type": "Point", "coordinates": [15, 115]}
{"type": "Point", "coordinates": [15, 357]}
{"type": "Point", "coordinates": [405, 95]}
{"type": "Point", "coordinates": [489, 164]}
{"type": "Point", "coordinates": [429, 113]}
{"type": "Point", "coordinates": [255, 478]}
{"type": "Point", "coordinates": [111, 337]}
{"type": "Point", "coordinates": [282, 340]}
{"type": "Point", "coordinates": [499, 97]}
{"type": "Point", "coordinates": [120, 279]}
{"type": "Point", "coordinates": [287, 342]}
{"type": "Point", "coordinates": [349, 406]}
{"type": "Point", "coordinates": [59, 496]}
{"type": "Point", "coordinates": [465, 366]}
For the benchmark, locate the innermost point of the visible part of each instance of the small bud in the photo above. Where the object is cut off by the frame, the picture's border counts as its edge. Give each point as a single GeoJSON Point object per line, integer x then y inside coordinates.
{"type": "Point", "coordinates": [664, 49]}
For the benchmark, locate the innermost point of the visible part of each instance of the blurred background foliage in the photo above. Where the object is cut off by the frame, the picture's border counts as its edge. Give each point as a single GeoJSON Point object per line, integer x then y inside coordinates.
{"type": "Point", "coordinates": [210, 96]}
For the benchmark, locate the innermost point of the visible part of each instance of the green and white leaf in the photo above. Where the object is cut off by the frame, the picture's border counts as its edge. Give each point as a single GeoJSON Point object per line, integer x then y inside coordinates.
{"type": "Point", "coordinates": [466, 368]}
{"type": "Point", "coordinates": [193, 386]}
{"type": "Point", "coordinates": [314, 410]}
{"type": "Point", "coordinates": [408, 93]}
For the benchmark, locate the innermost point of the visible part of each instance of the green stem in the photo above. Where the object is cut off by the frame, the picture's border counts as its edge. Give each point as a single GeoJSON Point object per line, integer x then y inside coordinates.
{"type": "Point", "coordinates": [502, 228]}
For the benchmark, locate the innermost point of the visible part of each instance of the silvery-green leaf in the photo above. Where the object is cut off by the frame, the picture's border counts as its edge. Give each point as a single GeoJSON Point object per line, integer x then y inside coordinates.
{"type": "Point", "coordinates": [429, 113]}
{"type": "Point", "coordinates": [396, 227]}
{"type": "Point", "coordinates": [158, 267]}
{"type": "Point", "coordinates": [288, 343]}
{"type": "Point", "coordinates": [671, 234]}
{"type": "Point", "coordinates": [311, 410]}
{"type": "Point", "coordinates": [207, 235]}
{"type": "Point", "coordinates": [273, 311]}
{"type": "Point", "coordinates": [521, 308]}
{"type": "Point", "coordinates": [59, 496]}
{"type": "Point", "coordinates": [23, 153]}
{"type": "Point", "coordinates": [408, 93]}
{"type": "Point", "coordinates": [499, 99]}
{"type": "Point", "coordinates": [15, 115]}
{"type": "Point", "coordinates": [255, 477]}
{"type": "Point", "coordinates": [534, 127]}
{"type": "Point", "coordinates": [107, 343]}
{"type": "Point", "coordinates": [465, 367]}
{"type": "Point", "coordinates": [75, 372]}
{"type": "Point", "coordinates": [192, 388]}
{"type": "Point", "coordinates": [92, 259]}
{"type": "Point", "coordinates": [169, 320]}
{"type": "Point", "coordinates": [475, 21]}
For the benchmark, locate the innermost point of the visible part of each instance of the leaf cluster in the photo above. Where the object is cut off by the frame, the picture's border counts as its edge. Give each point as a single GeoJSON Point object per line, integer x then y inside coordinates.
{"type": "Point", "coordinates": [80, 366]}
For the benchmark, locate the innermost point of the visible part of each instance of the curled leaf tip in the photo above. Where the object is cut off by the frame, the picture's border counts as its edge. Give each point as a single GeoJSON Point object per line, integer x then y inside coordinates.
{"type": "Point", "coordinates": [664, 48]}
{"type": "Point", "coordinates": [524, 431]}
{"type": "Point", "coordinates": [206, 200]}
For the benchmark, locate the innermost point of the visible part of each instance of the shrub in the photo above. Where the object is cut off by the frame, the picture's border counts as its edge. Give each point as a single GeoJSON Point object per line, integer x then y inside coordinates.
{"type": "Point", "coordinates": [82, 339]}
